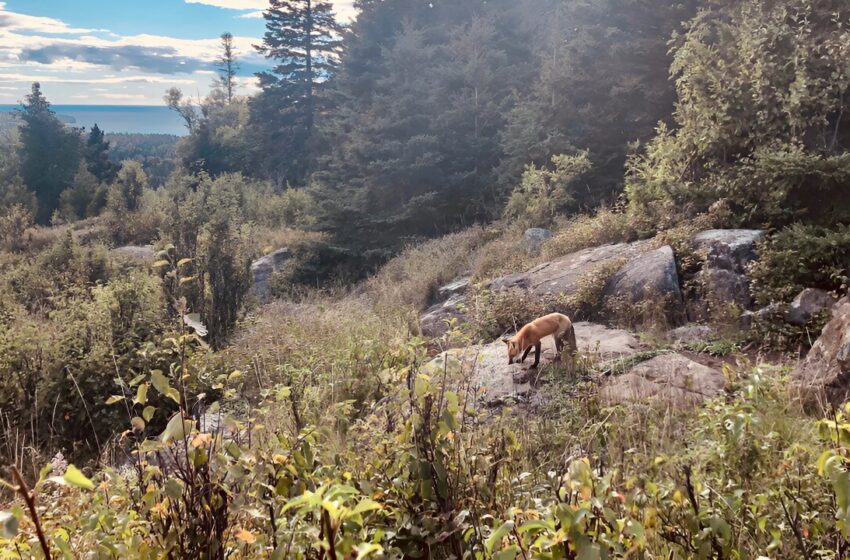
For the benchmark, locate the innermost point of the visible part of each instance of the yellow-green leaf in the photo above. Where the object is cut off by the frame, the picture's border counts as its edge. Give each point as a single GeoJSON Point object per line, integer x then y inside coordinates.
{"type": "Point", "coordinates": [74, 477]}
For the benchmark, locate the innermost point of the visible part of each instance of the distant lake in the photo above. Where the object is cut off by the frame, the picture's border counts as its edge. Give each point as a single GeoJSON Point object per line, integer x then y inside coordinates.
{"type": "Point", "coordinates": [153, 119]}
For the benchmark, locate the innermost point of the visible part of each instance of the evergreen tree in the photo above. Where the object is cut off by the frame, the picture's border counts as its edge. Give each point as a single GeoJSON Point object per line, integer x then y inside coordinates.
{"type": "Point", "coordinates": [50, 153]}
{"type": "Point", "coordinates": [97, 157]}
{"type": "Point", "coordinates": [422, 97]}
{"type": "Point", "coordinates": [227, 68]}
{"type": "Point", "coordinates": [303, 37]}
{"type": "Point", "coordinates": [603, 84]}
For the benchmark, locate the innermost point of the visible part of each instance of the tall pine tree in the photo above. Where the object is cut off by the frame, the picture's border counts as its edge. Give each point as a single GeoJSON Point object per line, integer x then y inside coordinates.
{"type": "Point", "coordinates": [50, 153]}
{"type": "Point", "coordinates": [97, 157]}
{"type": "Point", "coordinates": [304, 39]}
{"type": "Point", "coordinates": [227, 68]}
{"type": "Point", "coordinates": [604, 83]}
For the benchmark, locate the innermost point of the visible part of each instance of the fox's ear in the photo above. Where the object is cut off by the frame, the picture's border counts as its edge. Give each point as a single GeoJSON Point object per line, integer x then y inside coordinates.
{"type": "Point", "coordinates": [507, 341]}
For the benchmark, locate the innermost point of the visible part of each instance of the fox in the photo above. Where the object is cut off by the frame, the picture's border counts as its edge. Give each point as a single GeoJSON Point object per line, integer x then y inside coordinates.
{"type": "Point", "coordinates": [555, 324]}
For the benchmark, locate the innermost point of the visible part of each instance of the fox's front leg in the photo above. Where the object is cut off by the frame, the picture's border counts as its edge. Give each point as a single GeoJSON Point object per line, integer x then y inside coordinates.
{"type": "Point", "coordinates": [525, 355]}
{"type": "Point", "coordinates": [536, 355]}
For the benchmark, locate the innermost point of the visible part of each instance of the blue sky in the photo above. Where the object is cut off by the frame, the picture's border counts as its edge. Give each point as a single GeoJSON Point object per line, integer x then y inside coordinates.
{"type": "Point", "coordinates": [125, 52]}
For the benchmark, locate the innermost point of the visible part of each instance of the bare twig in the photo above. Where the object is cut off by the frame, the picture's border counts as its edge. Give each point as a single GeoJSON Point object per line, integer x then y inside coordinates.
{"type": "Point", "coordinates": [29, 498]}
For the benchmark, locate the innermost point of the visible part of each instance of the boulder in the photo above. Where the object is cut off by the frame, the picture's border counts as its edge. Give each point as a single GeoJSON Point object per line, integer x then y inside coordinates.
{"type": "Point", "coordinates": [691, 334]}
{"type": "Point", "coordinates": [454, 288]}
{"type": "Point", "coordinates": [825, 372]}
{"type": "Point", "coordinates": [562, 275]}
{"type": "Point", "coordinates": [668, 379]}
{"type": "Point", "coordinates": [722, 286]}
{"type": "Point", "coordinates": [729, 249]}
{"type": "Point", "coordinates": [450, 303]}
{"type": "Point", "coordinates": [723, 279]}
{"type": "Point", "coordinates": [769, 313]}
{"type": "Point", "coordinates": [433, 323]}
{"type": "Point", "coordinates": [136, 252]}
{"type": "Point", "coordinates": [533, 239]}
{"type": "Point", "coordinates": [807, 304]}
{"type": "Point", "coordinates": [263, 268]}
{"type": "Point", "coordinates": [650, 276]}
{"type": "Point", "coordinates": [497, 381]}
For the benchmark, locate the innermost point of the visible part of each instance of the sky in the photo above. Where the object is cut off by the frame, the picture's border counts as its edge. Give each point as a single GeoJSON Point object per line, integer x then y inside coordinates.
{"type": "Point", "coordinates": [126, 52]}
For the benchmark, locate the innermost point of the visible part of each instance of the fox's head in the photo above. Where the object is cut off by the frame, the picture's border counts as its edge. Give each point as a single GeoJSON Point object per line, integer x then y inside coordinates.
{"type": "Point", "coordinates": [513, 349]}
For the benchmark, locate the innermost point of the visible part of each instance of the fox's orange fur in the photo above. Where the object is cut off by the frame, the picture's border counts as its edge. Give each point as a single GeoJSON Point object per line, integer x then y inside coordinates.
{"type": "Point", "coordinates": [555, 324]}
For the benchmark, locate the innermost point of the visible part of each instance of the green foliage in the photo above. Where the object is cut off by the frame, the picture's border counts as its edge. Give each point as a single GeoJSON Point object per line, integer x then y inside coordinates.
{"type": "Point", "coordinates": [423, 94]}
{"type": "Point", "coordinates": [131, 182]}
{"type": "Point", "coordinates": [205, 224]}
{"type": "Point", "coordinates": [84, 198]}
{"type": "Point", "coordinates": [69, 337]}
{"type": "Point", "coordinates": [769, 138]}
{"type": "Point", "coordinates": [544, 193]}
{"type": "Point", "coordinates": [49, 153]}
{"type": "Point", "coordinates": [801, 256]}
{"type": "Point", "coordinates": [13, 226]}
{"type": "Point", "coordinates": [602, 84]}
{"type": "Point", "coordinates": [156, 153]}
{"type": "Point", "coordinates": [97, 158]}
{"type": "Point", "coordinates": [302, 41]}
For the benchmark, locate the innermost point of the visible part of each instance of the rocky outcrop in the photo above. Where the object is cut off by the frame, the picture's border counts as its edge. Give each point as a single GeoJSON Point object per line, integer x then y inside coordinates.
{"type": "Point", "coordinates": [725, 287]}
{"type": "Point", "coordinates": [136, 252]}
{"type": "Point", "coordinates": [650, 276]}
{"type": "Point", "coordinates": [824, 375]}
{"type": "Point", "coordinates": [263, 268]}
{"type": "Point", "coordinates": [451, 302]}
{"type": "Point", "coordinates": [456, 287]}
{"type": "Point", "coordinates": [723, 281]}
{"type": "Point", "coordinates": [434, 323]}
{"type": "Point", "coordinates": [497, 381]}
{"type": "Point", "coordinates": [668, 379]}
{"type": "Point", "coordinates": [691, 334]}
{"type": "Point", "coordinates": [562, 275]}
{"type": "Point", "coordinates": [807, 304]}
{"type": "Point", "coordinates": [729, 249]}
{"type": "Point", "coordinates": [534, 238]}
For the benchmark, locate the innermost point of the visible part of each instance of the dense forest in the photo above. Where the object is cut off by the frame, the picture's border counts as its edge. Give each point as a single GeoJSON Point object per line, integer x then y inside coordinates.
{"type": "Point", "coordinates": [418, 148]}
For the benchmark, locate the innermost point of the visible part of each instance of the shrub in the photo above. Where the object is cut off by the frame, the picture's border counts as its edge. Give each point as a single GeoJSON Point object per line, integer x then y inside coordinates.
{"type": "Point", "coordinates": [764, 140]}
{"type": "Point", "coordinates": [801, 256]}
{"type": "Point", "coordinates": [13, 227]}
{"type": "Point", "coordinates": [85, 197]}
{"type": "Point", "coordinates": [58, 368]}
{"type": "Point", "coordinates": [543, 193]}
{"type": "Point", "coordinates": [495, 313]}
{"type": "Point", "coordinates": [584, 231]}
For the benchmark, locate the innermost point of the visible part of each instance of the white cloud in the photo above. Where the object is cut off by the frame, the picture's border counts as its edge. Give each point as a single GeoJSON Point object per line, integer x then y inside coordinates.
{"type": "Point", "coordinates": [22, 22]}
{"type": "Point", "coordinates": [52, 78]}
{"type": "Point", "coordinates": [98, 66]}
{"type": "Point", "coordinates": [233, 4]}
{"type": "Point", "coordinates": [344, 9]}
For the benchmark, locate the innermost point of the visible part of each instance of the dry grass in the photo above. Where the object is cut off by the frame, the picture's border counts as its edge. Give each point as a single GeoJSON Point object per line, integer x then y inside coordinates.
{"type": "Point", "coordinates": [266, 239]}
{"type": "Point", "coordinates": [581, 232]}
{"type": "Point", "coordinates": [411, 278]}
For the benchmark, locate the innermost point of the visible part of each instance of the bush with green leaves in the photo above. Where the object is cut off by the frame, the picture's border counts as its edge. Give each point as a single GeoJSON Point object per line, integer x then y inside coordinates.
{"type": "Point", "coordinates": [759, 120]}
{"type": "Point", "coordinates": [744, 475]}
{"type": "Point", "coordinates": [205, 224]}
{"type": "Point", "coordinates": [798, 257]}
{"type": "Point", "coordinates": [544, 193]}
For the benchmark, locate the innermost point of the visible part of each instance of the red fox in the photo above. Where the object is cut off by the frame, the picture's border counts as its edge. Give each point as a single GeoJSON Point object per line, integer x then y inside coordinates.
{"type": "Point", "coordinates": [555, 324]}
